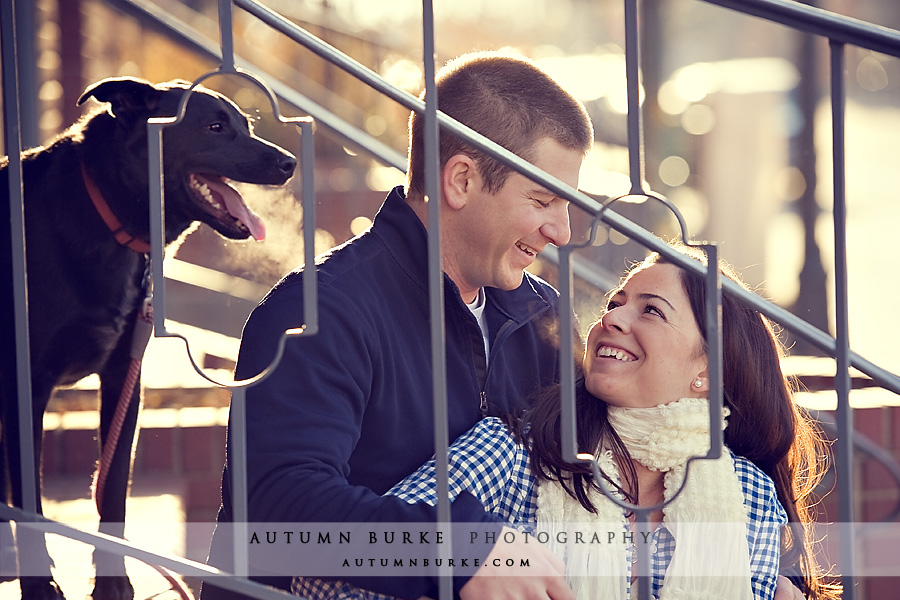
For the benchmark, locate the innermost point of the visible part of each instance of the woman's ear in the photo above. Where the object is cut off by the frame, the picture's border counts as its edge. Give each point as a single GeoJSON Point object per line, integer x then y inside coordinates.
{"type": "Point", "coordinates": [458, 180]}
{"type": "Point", "coordinates": [700, 383]}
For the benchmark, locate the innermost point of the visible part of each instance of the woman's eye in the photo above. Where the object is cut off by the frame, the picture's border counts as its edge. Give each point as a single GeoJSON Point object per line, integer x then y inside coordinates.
{"type": "Point", "coordinates": [654, 311]}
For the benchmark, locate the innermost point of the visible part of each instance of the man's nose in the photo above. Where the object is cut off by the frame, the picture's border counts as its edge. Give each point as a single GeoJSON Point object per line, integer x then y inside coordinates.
{"type": "Point", "coordinates": [556, 228]}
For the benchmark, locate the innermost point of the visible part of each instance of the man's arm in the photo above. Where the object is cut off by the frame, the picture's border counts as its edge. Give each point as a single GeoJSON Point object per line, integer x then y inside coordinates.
{"type": "Point", "coordinates": [304, 421]}
{"type": "Point", "coordinates": [485, 461]}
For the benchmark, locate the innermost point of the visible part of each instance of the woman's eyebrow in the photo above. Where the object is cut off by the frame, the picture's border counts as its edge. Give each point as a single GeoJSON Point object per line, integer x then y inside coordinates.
{"type": "Point", "coordinates": [649, 296]}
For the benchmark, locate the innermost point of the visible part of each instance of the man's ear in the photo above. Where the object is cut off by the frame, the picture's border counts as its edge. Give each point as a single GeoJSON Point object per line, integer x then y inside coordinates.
{"type": "Point", "coordinates": [459, 179]}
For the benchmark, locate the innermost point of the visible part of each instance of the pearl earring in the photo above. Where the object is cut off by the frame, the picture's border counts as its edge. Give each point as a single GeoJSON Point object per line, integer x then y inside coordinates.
{"type": "Point", "coordinates": [698, 384]}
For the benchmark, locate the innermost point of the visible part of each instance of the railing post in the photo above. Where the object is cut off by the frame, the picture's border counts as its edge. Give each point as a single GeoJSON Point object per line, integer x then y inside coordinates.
{"type": "Point", "coordinates": [436, 300]}
{"type": "Point", "coordinates": [17, 239]}
{"type": "Point", "coordinates": [844, 415]}
{"type": "Point", "coordinates": [633, 88]}
{"type": "Point", "coordinates": [568, 419]}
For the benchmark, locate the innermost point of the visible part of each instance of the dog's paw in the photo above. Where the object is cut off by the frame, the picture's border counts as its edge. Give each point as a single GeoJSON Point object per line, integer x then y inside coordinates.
{"type": "Point", "coordinates": [40, 588]}
{"type": "Point", "coordinates": [112, 588]}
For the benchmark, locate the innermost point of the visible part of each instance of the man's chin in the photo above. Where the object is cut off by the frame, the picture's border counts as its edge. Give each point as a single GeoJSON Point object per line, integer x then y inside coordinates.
{"type": "Point", "coordinates": [512, 282]}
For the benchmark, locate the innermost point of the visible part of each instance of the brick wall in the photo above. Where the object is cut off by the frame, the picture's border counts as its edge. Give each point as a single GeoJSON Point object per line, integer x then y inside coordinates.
{"type": "Point", "coordinates": [184, 447]}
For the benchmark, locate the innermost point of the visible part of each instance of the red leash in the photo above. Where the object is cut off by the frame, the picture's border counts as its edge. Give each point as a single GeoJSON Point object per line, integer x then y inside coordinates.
{"type": "Point", "coordinates": [143, 329]}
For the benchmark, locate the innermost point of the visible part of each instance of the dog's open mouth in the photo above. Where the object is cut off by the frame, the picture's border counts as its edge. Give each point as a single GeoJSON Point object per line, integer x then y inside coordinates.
{"type": "Point", "coordinates": [225, 203]}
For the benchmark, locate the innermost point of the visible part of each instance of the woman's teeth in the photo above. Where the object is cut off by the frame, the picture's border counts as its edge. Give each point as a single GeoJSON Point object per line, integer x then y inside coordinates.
{"type": "Point", "coordinates": [614, 353]}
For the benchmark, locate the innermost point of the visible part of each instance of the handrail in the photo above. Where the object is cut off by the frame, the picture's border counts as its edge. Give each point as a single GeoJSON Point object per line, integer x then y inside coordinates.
{"type": "Point", "coordinates": [191, 37]}
{"type": "Point", "coordinates": [798, 326]}
{"type": "Point", "coordinates": [621, 224]}
{"type": "Point", "coordinates": [818, 21]}
{"type": "Point", "coordinates": [34, 523]}
{"type": "Point", "coordinates": [838, 29]}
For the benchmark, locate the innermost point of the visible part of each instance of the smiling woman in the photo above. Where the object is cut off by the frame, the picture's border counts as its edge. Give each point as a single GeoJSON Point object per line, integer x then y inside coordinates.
{"type": "Point", "coordinates": [642, 399]}
{"type": "Point", "coordinates": [647, 349]}
{"type": "Point", "coordinates": [643, 413]}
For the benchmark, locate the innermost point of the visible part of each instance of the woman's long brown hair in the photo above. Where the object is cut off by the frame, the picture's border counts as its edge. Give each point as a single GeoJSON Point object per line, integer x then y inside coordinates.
{"type": "Point", "coordinates": [765, 427]}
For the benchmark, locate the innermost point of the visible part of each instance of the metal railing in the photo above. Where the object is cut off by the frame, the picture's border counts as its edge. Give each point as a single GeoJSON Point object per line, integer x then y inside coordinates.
{"type": "Point", "coordinates": [840, 31]}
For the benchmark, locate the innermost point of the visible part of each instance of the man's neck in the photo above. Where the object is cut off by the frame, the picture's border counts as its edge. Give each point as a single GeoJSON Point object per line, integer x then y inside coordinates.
{"type": "Point", "coordinates": [478, 302]}
{"type": "Point", "coordinates": [468, 297]}
{"type": "Point", "coordinates": [420, 207]}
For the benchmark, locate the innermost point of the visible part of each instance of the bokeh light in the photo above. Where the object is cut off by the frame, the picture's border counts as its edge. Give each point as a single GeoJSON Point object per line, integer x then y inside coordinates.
{"type": "Point", "coordinates": [360, 224]}
{"type": "Point", "coordinates": [674, 171]}
{"type": "Point", "coordinates": [699, 119]}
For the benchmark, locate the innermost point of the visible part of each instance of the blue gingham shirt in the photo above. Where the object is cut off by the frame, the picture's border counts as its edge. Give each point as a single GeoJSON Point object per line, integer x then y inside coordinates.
{"type": "Point", "coordinates": [487, 462]}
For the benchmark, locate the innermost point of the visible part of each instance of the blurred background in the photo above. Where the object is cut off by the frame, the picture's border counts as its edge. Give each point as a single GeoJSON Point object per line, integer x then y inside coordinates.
{"type": "Point", "coordinates": [737, 126]}
{"type": "Point", "coordinates": [737, 135]}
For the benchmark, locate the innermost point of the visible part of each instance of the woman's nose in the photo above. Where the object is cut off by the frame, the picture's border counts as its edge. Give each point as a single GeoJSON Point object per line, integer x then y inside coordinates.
{"type": "Point", "coordinates": [617, 319]}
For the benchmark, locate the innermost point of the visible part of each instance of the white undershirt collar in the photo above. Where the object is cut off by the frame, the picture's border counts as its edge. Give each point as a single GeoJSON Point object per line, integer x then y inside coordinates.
{"type": "Point", "coordinates": [477, 308]}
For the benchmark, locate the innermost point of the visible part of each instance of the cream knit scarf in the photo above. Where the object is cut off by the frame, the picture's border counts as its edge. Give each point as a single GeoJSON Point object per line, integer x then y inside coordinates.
{"type": "Point", "coordinates": [708, 519]}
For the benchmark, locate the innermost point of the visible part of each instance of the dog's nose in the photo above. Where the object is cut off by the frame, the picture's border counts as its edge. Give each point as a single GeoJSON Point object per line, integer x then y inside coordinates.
{"type": "Point", "coordinates": [287, 164]}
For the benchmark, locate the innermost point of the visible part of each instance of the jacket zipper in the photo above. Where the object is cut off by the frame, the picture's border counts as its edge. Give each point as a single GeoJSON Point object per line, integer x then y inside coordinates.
{"type": "Point", "coordinates": [505, 331]}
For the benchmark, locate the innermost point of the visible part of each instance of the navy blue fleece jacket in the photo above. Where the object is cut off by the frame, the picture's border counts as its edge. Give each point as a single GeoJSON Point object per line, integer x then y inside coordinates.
{"type": "Point", "coordinates": [348, 412]}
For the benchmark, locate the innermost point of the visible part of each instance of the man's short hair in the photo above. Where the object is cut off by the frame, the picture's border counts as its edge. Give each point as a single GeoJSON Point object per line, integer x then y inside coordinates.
{"type": "Point", "coordinates": [507, 99]}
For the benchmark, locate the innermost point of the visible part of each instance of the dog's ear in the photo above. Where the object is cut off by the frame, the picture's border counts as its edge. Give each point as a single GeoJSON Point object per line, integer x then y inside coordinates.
{"type": "Point", "coordinates": [127, 96]}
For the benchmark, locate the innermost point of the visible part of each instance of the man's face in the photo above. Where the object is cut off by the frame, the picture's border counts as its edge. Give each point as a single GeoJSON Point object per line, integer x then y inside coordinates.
{"type": "Point", "coordinates": [498, 235]}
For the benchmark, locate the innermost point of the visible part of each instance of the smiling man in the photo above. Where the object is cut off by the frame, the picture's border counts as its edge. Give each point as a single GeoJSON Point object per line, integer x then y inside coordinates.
{"type": "Point", "coordinates": [492, 237]}
{"type": "Point", "coordinates": [348, 413]}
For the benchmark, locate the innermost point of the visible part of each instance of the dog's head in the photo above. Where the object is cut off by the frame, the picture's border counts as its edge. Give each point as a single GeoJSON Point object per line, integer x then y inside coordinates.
{"type": "Point", "coordinates": [213, 143]}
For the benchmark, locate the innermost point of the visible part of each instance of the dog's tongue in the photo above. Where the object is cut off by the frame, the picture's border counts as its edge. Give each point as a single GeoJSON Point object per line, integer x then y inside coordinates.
{"type": "Point", "coordinates": [237, 208]}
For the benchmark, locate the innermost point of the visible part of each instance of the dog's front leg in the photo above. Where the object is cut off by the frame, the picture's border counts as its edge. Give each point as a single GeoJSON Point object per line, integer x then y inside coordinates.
{"type": "Point", "coordinates": [112, 486]}
{"type": "Point", "coordinates": [35, 580]}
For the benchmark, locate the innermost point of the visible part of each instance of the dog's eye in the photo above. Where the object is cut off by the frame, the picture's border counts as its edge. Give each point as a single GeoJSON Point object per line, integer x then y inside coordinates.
{"type": "Point", "coordinates": [216, 128]}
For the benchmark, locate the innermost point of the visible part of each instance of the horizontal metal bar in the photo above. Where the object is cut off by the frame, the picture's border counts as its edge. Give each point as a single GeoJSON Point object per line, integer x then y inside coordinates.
{"type": "Point", "coordinates": [329, 53]}
{"type": "Point", "coordinates": [818, 21]}
{"type": "Point", "coordinates": [351, 66]}
{"type": "Point", "coordinates": [795, 324]}
{"type": "Point", "coordinates": [143, 9]}
{"type": "Point", "coordinates": [123, 547]}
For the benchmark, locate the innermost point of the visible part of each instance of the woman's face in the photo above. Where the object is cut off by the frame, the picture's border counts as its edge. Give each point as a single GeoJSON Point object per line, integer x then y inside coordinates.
{"type": "Point", "coordinates": [647, 349]}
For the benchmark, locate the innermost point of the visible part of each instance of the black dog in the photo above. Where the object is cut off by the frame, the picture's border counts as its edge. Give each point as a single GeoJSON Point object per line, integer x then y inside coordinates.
{"type": "Point", "coordinates": [85, 281]}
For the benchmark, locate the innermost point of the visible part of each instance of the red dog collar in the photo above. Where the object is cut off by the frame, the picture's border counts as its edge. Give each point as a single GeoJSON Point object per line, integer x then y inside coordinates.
{"type": "Point", "coordinates": [106, 213]}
